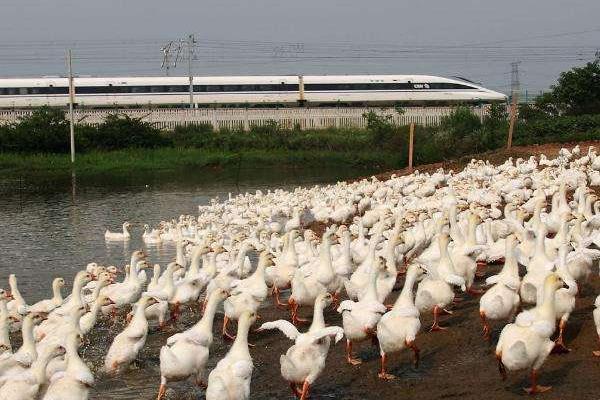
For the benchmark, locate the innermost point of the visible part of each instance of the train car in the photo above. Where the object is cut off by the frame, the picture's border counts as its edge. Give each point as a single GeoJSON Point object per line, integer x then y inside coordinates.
{"type": "Point", "coordinates": [288, 90]}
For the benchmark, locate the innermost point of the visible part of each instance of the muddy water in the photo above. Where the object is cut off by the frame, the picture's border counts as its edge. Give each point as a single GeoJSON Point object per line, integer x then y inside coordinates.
{"type": "Point", "coordinates": [54, 226]}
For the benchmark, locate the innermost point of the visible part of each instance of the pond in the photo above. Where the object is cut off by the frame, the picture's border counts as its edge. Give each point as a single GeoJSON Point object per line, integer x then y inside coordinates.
{"type": "Point", "coordinates": [53, 226]}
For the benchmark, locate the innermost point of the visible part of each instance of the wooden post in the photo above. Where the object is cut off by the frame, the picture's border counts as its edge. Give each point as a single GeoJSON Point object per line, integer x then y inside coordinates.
{"type": "Point", "coordinates": [71, 101]}
{"type": "Point", "coordinates": [411, 136]}
{"type": "Point", "coordinates": [513, 117]}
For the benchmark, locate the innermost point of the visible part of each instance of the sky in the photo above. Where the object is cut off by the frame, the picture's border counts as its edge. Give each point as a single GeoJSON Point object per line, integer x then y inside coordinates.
{"type": "Point", "coordinates": [476, 39]}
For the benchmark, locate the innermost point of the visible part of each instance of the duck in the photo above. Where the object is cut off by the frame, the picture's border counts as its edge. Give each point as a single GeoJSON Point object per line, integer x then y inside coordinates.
{"type": "Point", "coordinates": [230, 379]}
{"type": "Point", "coordinates": [596, 315]}
{"type": "Point", "coordinates": [75, 381]}
{"type": "Point", "coordinates": [164, 294]}
{"type": "Point", "coordinates": [526, 342]}
{"type": "Point", "coordinates": [17, 306]}
{"type": "Point", "coordinates": [5, 345]}
{"type": "Point", "coordinates": [247, 294]}
{"type": "Point", "coordinates": [500, 302]}
{"type": "Point", "coordinates": [25, 385]}
{"type": "Point", "coordinates": [537, 269]}
{"type": "Point", "coordinates": [119, 236]}
{"type": "Point", "coordinates": [360, 277]}
{"type": "Point", "coordinates": [435, 291]}
{"type": "Point", "coordinates": [88, 320]}
{"type": "Point", "coordinates": [304, 362]}
{"type": "Point", "coordinates": [231, 272]}
{"type": "Point", "coordinates": [360, 318]}
{"type": "Point", "coordinates": [127, 344]}
{"type": "Point", "coordinates": [280, 275]}
{"type": "Point", "coordinates": [564, 302]}
{"type": "Point", "coordinates": [48, 305]}
{"type": "Point", "coordinates": [397, 329]}
{"type": "Point", "coordinates": [27, 353]}
{"type": "Point", "coordinates": [185, 354]}
{"type": "Point", "coordinates": [151, 236]}
{"type": "Point", "coordinates": [126, 292]}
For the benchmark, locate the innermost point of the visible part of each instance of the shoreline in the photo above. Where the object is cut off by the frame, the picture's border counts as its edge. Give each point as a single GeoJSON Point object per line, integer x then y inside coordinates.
{"type": "Point", "coordinates": [174, 159]}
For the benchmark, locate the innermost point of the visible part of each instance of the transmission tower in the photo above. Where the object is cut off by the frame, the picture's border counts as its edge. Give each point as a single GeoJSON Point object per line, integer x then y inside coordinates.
{"type": "Point", "coordinates": [515, 84]}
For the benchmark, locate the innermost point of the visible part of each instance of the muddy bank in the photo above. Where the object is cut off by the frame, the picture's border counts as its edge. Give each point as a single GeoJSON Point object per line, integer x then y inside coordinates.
{"type": "Point", "coordinates": [456, 363]}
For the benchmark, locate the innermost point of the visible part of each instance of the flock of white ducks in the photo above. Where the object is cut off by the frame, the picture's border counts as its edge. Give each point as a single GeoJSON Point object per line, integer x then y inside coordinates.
{"type": "Point", "coordinates": [434, 234]}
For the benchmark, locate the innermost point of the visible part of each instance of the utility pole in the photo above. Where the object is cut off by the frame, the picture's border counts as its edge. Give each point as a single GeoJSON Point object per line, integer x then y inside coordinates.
{"type": "Point", "coordinates": [71, 101]}
{"type": "Point", "coordinates": [515, 87]}
{"type": "Point", "coordinates": [191, 42]}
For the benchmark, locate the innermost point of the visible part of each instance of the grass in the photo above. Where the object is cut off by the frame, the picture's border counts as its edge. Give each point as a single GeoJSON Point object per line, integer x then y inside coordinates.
{"type": "Point", "coordinates": [190, 158]}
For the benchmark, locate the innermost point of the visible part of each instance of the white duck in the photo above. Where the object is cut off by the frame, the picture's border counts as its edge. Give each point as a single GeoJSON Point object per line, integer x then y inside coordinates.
{"type": "Point", "coordinates": [230, 380]}
{"type": "Point", "coordinates": [435, 291]}
{"type": "Point", "coordinates": [501, 301]}
{"type": "Point", "coordinates": [17, 306]}
{"type": "Point", "coordinates": [247, 294]}
{"type": "Point", "coordinates": [48, 305]}
{"type": "Point", "coordinates": [526, 343]}
{"type": "Point", "coordinates": [360, 318]}
{"type": "Point", "coordinates": [5, 346]}
{"type": "Point", "coordinates": [88, 320]}
{"type": "Point", "coordinates": [119, 236]}
{"type": "Point", "coordinates": [280, 275]}
{"type": "Point", "coordinates": [128, 343]}
{"type": "Point", "coordinates": [596, 315]}
{"type": "Point", "coordinates": [25, 385]}
{"type": "Point", "coordinates": [304, 362]}
{"type": "Point", "coordinates": [398, 328]}
{"type": "Point", "coordinates": [186, 354]}
{"type": "Point", "coordinates": [75, 381]}
{"type": "Point", "coordinates": [564, 297]}
{"type": "Point", "coordinates": [540, 266]}
{"type": "Point", "coordinates": [27, 353]}
{"type": "Point", "coordinates": [151, 236]}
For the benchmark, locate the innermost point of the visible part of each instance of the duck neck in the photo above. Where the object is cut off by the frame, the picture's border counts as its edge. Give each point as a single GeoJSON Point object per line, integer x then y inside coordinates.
{"type": "Point", "coordinates": [56, 294]}
{"type": "Point", "coordinates": [38, 368]}
{"type": "Point", "coordinates": [372, 288]}
{"type": "Point", "coordinates": [240, 345]}
{"type": "Point", "coordinates": [548, 300]}
{"type": "Point", "coordinates": [195, 262]}
{"type": "Point", "coordinates": [318, 321]}
{"type": "Point", "coordinates": [241, 258]}
{"type": "Point", "coordinates": [27, 333]}
{"type": "Point", "coordinates": [206, 323]}
{"type": "Point", "coordinates": [511, 267]}
{"type": "Point", "coordinates": [211, 265]}
{"type": "Point", "coordinates": [406, 295]}
{"type": "Point", "coordinates": [14, 289]}
{"type": "Point", "coordinates": [99, 285]}
{"type": "Point", "coordinates": [471, 234]}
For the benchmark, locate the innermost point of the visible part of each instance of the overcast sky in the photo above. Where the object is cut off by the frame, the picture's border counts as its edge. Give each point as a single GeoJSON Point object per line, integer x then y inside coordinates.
{"type": "Point", "coordinates": [473, 38]}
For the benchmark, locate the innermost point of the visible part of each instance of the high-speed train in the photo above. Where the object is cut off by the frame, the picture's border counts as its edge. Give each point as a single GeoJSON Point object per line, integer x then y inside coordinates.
{"type": "Point", "coordinates": [244, 90]}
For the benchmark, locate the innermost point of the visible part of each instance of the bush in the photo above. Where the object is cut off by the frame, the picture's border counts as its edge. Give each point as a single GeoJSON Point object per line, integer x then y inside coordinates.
{"type": "Point", "coordinates": [46, 129]}
{"type": "Point", "coordinates": [121, 132]}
